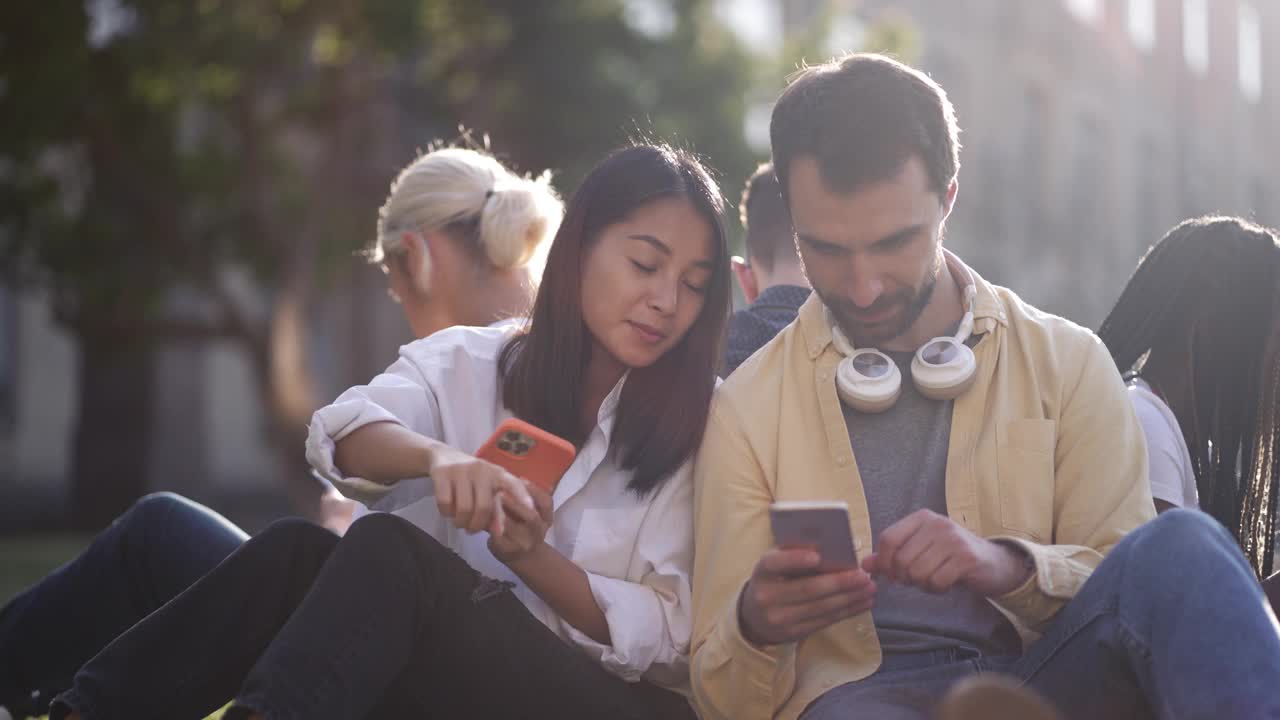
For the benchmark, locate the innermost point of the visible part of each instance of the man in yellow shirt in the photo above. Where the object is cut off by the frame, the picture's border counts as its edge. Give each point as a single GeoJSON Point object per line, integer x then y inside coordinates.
{"type": "Point", "coordinates": [986, 475]}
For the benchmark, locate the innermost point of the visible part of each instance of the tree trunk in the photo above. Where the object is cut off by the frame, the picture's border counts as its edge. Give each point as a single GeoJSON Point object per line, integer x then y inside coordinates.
{"type": "Point", "coordinates": [113, 432]}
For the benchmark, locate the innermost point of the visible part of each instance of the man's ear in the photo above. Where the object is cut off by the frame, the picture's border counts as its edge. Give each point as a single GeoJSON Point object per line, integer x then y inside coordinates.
{"type": "Point", "coordinates": [949, 201]}
{"type": "Point", "coordinates": [746, 278]}
{"type": "Point", "coordinates": [417, 260]}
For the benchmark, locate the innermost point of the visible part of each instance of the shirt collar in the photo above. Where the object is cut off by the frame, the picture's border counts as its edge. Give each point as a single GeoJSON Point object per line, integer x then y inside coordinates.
{"type": "Point", "coordinates": [609, 406]}
{"type": "Point", "coordinates": [988, 311]}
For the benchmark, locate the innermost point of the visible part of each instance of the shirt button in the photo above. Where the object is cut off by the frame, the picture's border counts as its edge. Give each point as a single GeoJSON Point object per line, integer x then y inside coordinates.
{"type": "Point", "coordinates": [842, 460]}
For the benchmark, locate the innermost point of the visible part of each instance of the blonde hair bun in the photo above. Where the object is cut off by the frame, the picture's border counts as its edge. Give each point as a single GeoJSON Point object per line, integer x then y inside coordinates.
{"type": "Point", "coordinates": [516, 214]}
{"type": "Point", "coordinates": [517, 218]}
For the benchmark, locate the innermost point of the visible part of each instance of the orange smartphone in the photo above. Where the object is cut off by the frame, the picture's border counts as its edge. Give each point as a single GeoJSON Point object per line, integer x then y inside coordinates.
{"type": "Point", "coordinates": [528, 452]}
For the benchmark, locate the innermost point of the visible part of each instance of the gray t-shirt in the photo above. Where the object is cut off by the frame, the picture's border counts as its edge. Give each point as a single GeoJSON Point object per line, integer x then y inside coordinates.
{"type": "Point", "coordinates": [902, 456]}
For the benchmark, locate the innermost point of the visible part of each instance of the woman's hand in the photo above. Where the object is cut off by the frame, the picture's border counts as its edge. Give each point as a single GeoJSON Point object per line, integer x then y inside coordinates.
{"type": "Point", "coordinates": [526, 528]}
{"type": "Point", "coordinates": [467, 490]}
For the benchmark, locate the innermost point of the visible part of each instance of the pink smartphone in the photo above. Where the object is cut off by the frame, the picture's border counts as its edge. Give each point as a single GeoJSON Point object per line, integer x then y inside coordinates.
{"type": "Point", "coordinates": [822, 525]}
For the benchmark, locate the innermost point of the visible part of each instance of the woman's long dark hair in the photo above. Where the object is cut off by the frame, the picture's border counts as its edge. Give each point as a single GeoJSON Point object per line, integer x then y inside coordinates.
{"type": "Point", "coordinates": [663, 408]}
{"type": "Point", "coordinates": [1209, 288]}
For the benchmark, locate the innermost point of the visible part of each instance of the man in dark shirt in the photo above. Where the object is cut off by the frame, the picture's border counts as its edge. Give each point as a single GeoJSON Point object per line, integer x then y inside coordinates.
{"type": "Point", "coordinates": [771, 278]}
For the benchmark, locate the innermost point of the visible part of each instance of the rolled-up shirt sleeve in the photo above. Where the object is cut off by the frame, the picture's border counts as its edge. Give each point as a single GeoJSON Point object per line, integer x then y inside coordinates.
{"type": "Point", "coordinates": [649, 614]}
{"type": "Point", "coordinates": [401, 395]}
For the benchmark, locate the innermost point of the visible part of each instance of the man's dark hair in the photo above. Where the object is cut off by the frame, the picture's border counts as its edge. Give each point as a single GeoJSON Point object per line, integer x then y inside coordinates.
{"type": "Point", "coordinates": [765, 219]}
{"type": "Point", "coordinates": [862, 117]}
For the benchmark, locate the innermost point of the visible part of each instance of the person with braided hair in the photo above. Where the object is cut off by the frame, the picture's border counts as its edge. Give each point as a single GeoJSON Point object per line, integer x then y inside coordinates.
{"type": "Point", "coordinates": [1197, 329]}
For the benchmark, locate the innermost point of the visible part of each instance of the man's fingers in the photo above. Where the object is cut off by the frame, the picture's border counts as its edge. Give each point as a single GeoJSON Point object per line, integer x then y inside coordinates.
{"type": "Point", "coordinates": [944, 578]}
{"type": "Point", "coordinates": [799, 591]}
{"type": "Point", "coordinates": [798, 614]}
{"type": "Point", "coordinates": [926, 564]}
{"type": "Point", "coordinates": [812, 625]}
{"type": "Point", "coordinates": [894, 537]}
{"type": "Point", "coordinates": [788, 562]}
{"type": "Point", "coordinates": [913, 550]}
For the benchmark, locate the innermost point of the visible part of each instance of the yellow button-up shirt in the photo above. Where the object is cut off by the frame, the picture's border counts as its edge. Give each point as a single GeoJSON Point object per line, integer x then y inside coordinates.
{"type": "Point", "coordinates": [1045, 451]}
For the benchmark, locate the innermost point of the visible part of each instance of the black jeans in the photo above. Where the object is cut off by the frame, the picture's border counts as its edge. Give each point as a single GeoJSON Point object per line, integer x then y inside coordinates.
{"type": "Point", "coordinates": [152, 552]}
{"type": "Point", "coordinates": [385, 622]}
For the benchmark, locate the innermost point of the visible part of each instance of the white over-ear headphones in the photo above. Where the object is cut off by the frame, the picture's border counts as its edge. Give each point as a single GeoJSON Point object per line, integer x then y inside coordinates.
{"type": "Point", "coordinates": [869, 381]}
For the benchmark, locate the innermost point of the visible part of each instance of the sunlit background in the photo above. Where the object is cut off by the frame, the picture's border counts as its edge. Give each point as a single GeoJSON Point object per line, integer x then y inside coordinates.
{"type": "Point", "coordinates": [183, 186]}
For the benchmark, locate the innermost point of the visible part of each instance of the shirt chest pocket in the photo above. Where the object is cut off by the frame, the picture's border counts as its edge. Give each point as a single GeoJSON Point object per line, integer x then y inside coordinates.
{"type": "Point", "coordinates": [1025, 471]}
{"type": "Point", "coordinates": [605, 540]}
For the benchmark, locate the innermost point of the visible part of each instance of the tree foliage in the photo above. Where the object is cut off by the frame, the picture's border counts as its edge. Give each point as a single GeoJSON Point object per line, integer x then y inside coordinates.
{"type": "Point", "coordinates": [155, 154]}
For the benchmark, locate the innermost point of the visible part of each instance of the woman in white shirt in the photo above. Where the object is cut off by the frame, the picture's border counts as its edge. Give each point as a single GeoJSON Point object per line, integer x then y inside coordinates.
{"type": "Point", "coordinates": [1198, 324]}
{"type": "Point", "coordinates": [512, 603]}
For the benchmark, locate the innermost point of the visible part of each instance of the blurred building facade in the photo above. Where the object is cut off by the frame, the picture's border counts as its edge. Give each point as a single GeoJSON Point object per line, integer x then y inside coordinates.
{"type": "Point", "coordinates": [1092, 126]}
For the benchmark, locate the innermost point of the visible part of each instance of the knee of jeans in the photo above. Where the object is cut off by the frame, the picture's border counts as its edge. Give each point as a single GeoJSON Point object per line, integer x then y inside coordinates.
{"type": "Point", "coordinates": [294, 531]}
{"type": "Point", "coordinates": [152, 512]}
{"type": "Point", "coordinates": [378, 527]}
{"type": "Point", "coordinates": [159, 503]}
{"type": "Point", "coordinates": [1179, 537]}
{"type": "Point", "coordinates": [390, 532]}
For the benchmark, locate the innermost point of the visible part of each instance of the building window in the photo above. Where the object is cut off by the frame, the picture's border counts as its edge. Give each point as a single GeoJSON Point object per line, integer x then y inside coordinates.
{"type": "Point", "coordinates": [1142, 24]}
{"type": "Point", "coordinates": [1195, 35]}
{"type": "Point", "coordinates": [1085, 10]}
{"type": "Point", "coordinates": [1249, 45]}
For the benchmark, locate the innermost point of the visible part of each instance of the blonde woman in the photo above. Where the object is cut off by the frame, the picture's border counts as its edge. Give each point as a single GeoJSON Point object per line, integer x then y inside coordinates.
{"type": "Point", "coordinates": [460, 237]}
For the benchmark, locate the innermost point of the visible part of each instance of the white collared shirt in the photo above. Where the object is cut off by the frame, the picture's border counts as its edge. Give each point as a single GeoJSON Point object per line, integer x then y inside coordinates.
{"type": "Point", "coordinates": [637, 552]}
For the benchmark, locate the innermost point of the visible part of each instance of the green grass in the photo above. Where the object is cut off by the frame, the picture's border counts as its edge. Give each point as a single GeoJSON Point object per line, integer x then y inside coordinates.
{"type": "Point", "coordinates": [25, 559]}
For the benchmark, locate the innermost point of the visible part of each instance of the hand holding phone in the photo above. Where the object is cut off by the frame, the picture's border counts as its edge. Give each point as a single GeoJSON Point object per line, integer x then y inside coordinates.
{"type": "Point", "coordinates": [471, 490]}
{"type": "Point", "coordinates": [529, 452]}
{"type": "Point", "coordinates": [809, 581]}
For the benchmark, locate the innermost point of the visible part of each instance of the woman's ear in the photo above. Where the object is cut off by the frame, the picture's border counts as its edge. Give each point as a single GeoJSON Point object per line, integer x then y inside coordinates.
{"type": "Point", "coordinates": [417, 260]}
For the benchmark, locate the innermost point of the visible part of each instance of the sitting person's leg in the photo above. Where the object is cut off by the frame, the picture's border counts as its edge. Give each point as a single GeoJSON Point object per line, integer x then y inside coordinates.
{"type": "Point", "coordinates": [397, 625]}
{"type": "Point", "coordinates": [1173, 619]}
{"type": "Point", "coordinates": [186, 659]}
{"type": "Point", "coordinates": [152, 552]}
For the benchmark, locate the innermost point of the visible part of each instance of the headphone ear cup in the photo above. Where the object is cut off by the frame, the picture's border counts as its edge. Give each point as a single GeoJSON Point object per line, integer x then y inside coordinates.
{"type": "Point", "coordinates": [948, 379]}
{"type": "Point", "coordinates": [864, 392]}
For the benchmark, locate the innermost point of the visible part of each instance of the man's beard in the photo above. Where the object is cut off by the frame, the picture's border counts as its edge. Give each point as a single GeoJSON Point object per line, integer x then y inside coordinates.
{"type": "Point", "coordinates": [912, 302]}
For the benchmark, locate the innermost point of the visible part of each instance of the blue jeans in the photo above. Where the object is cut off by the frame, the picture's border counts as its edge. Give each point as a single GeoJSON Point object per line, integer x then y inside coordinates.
{"type": "Point", "coordinates": [152, 552]}
{"type": "Point", "coordinates": [1172, 624]}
